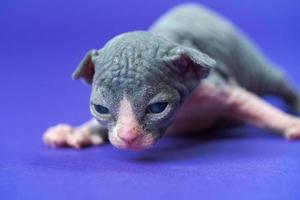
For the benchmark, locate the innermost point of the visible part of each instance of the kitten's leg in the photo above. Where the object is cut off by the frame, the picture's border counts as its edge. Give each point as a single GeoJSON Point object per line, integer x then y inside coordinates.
{"type": "Point", "coordinates": [89, 133]}
{"type": "Point", "coordinates": [247, 107]}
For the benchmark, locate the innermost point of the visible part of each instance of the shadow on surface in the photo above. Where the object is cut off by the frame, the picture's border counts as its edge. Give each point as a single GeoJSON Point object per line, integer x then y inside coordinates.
{"type": "Point", "coordinates": [220, 143]}
{"type": "Point", "coordinates": [211, 146]}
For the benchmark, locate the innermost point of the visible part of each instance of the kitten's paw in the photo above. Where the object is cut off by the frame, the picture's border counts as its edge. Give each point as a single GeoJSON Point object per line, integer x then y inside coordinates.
{"type": "Point", "coordinates": [82, 137]}
{"type": "Point", "coordinates": [56, 136]}
{"type": "Point", "coordinates": [64, 135]}
{"type": "Point", "coordinates": [293, 133]}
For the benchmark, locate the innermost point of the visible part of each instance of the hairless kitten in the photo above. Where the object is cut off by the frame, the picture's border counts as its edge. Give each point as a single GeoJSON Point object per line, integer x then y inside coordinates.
{"type": "Point", "coordinates": [190, 71]}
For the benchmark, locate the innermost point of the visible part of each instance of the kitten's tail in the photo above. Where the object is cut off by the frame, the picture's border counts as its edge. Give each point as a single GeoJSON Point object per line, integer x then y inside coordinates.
{"type": "Point", "coordinates": [290, 96]}
{"type": "Point", "coordinates": [296, 104]}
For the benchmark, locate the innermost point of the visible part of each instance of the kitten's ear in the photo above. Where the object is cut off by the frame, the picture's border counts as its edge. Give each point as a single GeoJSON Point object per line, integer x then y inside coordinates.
{"type": "Point", "coordinates": [183, 59]}
{"type": "Point", "coordinates": [86, 68]}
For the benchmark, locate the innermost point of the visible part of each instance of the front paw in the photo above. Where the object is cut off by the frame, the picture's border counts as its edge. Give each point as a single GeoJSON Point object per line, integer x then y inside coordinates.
{"type": "Point", "coordinates": [57, 136]}
{"type": "Point", "coordinates": [64, 135]}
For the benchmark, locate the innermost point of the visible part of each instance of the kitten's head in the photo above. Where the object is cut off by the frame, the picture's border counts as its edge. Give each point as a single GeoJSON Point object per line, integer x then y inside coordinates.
{"type": "Point", "coordinates": [139, 81]}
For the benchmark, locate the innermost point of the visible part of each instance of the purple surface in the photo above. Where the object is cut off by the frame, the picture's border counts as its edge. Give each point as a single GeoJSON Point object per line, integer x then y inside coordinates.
{"type": "Point", "coordinates": [42, 42]}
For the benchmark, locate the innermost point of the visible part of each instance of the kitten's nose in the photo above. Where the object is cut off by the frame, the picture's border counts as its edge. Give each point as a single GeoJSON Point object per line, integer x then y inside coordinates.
{"type": "Point", "coordinates": [128, 136]}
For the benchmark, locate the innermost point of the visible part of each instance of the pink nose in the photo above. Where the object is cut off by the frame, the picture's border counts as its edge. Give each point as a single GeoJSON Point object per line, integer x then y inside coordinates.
{"type": "Point", "coordinates": [128, 136]}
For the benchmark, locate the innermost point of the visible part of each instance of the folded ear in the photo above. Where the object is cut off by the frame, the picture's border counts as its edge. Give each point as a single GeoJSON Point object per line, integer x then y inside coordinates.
{"type": "Point", "coordinates": [86, 68]}
{"type": "Point", "coordinates": [183, 59]}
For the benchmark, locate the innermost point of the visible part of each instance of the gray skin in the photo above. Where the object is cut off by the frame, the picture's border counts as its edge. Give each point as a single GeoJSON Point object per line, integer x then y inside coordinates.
{"type": "Point", "coordinates": [141, 64]}
{"type": "Point", "coordinates": [167, 63]}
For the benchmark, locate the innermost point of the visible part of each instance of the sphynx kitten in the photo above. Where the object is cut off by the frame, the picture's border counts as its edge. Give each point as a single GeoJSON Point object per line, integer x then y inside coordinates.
{"type": "Point", "coordinates": [190, 71]}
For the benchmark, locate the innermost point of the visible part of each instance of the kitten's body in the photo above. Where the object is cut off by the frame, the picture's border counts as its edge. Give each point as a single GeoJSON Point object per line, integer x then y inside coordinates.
{"type": "Point", "coordinates": [238, 61]}
{"type": "Point", "coordinates": [167, 64]}
{"type": "Point", "coordinates": [196, 27]}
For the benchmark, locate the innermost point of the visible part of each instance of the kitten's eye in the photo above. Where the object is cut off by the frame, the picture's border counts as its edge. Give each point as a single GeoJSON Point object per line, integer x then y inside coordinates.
{"type": "Point", "coordinates": [101, 109]}
{"type": "Point", "coordinates": [157, 107]}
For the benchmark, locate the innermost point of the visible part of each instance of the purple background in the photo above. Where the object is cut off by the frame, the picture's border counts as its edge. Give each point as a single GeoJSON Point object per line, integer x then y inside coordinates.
{"type": "Point", "coordinates": [41, 42]}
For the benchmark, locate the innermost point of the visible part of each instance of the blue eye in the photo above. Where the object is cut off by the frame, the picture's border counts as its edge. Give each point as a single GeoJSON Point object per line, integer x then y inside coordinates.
{"type": "Point", "coordinates": [157, 107]}
{"type": "Point", "coordinates": [101, 109]}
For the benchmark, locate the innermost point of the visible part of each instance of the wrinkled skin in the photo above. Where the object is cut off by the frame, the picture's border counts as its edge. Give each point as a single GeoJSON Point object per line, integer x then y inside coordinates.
{"type": "Point", "coordinates": [125, 70]}
{"type": "Point", "coordinates": [182, 75]}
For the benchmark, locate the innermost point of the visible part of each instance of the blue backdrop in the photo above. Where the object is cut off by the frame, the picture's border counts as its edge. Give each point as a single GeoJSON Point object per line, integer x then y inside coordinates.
{"type": "Point", "coordinates": [41, 42]}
